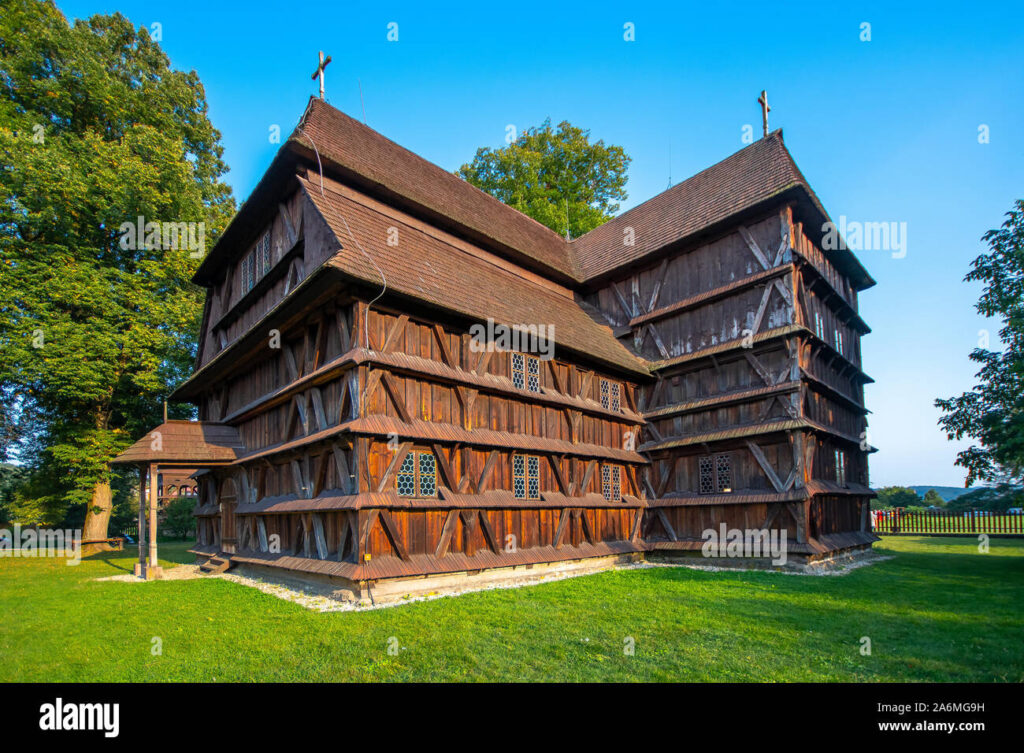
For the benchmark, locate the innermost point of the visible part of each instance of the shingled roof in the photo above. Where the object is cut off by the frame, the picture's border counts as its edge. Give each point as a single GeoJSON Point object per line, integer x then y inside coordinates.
{"type": "Point", "coordinates": [429, 269]}
{"type": "Point", "coordinates": [439, 273]}
{"type": "Point", "coordinates": [374, 162]}
{"type": "Point", "coordinates": [195, 443]}
{"type": "Point", "coordinates": [755, 174]}
{"type": "Point", "coordinates": [742, 180]}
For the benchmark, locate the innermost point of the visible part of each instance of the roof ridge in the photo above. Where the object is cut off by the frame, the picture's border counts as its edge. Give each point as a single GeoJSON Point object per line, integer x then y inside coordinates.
{"type": "Point", "coordinates": [423, 159]}
{"type": "Point", "coordinates": [309, 186]}
{"type": "Point", "coordinates": [481, 290]}
{"type": "Point", "coordinates": [558, 258]}
{"type": "Point", "coordinates": [775, 135]}
{"type": "Point", "coordinates": [749, 177]}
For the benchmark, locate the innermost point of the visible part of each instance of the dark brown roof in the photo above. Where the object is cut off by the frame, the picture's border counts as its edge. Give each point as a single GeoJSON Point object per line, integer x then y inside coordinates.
{"type": "Point", "coordinates": [743, 180]}
{"type": "Point", "coordinates": [443, 274]}
{"type": "Point", "coordinates": [195, 442]}
{"type": "Point", "coordinates": [342, 146]}
{"type": "Point", "coordinates": [429, 269]}
{"type": "Point", "coordinates": [391, 171]}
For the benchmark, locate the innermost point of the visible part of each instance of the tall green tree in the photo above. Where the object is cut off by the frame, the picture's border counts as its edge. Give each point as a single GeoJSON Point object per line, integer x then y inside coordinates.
{"type": "Point", "coordinates": [992, 412]}
{"type": "Point", "coordinates": [96, 131]}
{"type": "Point", "coordinates": [557, 176]}
{"type": "Point", "coordinates": [896, 496]}
{"type": "Point", "coordinates": [11, 479]}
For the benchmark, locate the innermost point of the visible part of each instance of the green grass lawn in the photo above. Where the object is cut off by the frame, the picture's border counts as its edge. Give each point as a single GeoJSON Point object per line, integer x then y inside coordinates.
{"type": "Point", "coordinates": [937, 611]}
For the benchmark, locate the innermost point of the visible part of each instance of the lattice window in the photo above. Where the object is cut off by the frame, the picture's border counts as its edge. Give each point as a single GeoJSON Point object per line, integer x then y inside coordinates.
{"type": "Point", "coordinates": [707, 475]}
{"type": "Point", "coordinates": [417, 476]}
{"type": "Point", "coordinates": [605, 393]}
{"type": "Point", "coordinates": [526, 476]}
{"type": "Point", "coordinates": [611, 482]}
{"type": "Point", "coordinates": [839, 340]}
{"type": "Point", "coordinates": [723, 473]}
{"type": "Point", "coordinates": [819, 325]}
{"type": "Point", "coordinates": [526, 372]}
{"type": "Point", "coordinates": [246, 273]}
{"type": "Point", "coordinates": [266, 253]}
{"type": "Point", "coordinates": [256, 263]}
{"type": "Point", "coordinates": [519, 476]}
{"type": "Point", "coordinates": [428, 474]}
{"type": "Point", "coordinates": [715, 474]}
{"type": "Point", "coordinates": [533, 477]}
{"type": "Point", "coordinates": [532, 374]}
{"type": "Point", "coordinates": [841, 467]}
{"type": "Point", "coordinates": [518, 370]}
{"type": "Point", "coordinates": [405, 482]}
{"type": "Point", "coordinates": [615, 402]}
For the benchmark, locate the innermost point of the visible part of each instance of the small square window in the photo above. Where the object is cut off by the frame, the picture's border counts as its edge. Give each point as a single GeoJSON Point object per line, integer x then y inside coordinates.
{"type": "Point", "coordinates": [526, 372]}
{"type": "Point", "coordinates": [417, 476]}
{"type": "Point", "coordinates": [715, 473]}
{"type": "Point", "coordinates": [611, 395]}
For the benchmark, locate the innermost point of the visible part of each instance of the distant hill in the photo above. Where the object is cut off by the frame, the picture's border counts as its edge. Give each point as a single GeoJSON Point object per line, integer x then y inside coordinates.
{"type": "Point", "coordinates": [948, 493]}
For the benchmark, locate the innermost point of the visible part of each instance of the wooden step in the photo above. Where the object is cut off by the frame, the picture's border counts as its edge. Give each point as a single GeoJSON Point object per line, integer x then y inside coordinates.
{"type": "Point", "coordinates": [215, 565]}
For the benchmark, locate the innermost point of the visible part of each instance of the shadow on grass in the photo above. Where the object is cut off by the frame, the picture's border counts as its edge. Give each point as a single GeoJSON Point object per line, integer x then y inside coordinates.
{"type": "Point", "coordinates": [114, 560]}
{"type": "Point", "coordinates": [175, 552]}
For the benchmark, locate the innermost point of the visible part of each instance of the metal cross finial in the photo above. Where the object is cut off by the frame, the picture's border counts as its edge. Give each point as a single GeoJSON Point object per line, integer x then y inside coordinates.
{"type": "Point", "coordinates": [765, 109]}
{"type": "Point", "coordinates": [320, 71]}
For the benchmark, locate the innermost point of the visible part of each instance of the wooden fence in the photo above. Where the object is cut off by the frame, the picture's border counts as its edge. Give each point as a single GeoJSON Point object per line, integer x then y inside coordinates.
{"type": "Point", "coordinates": [945, 522]}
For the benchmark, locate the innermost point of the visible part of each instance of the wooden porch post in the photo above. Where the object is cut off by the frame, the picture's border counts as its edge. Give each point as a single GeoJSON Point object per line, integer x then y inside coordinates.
{"type": "Point", "coordinates": [140, 535]}
{"type": "Point", "coordinates": [153, 571]}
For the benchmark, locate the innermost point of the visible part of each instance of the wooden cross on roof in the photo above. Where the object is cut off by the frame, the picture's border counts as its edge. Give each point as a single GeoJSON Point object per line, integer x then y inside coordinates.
{"type": "Point", "coordinates": [765, 109]}
{"type": "Point", "coordinates": [320, 71]}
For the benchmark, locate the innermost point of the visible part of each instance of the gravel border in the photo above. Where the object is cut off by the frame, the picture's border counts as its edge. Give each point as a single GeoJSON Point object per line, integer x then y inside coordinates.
{"type": "Point", "coordinates": [321, 599]}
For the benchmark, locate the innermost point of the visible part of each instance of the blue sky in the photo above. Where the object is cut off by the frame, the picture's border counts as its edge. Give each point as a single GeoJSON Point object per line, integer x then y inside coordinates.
{"type": "Point", "coordinates": [884, 130]}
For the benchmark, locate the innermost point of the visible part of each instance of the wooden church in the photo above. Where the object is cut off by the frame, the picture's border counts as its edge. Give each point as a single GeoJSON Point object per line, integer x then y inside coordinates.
{"type": "Point", "coordinates": [702, 367]}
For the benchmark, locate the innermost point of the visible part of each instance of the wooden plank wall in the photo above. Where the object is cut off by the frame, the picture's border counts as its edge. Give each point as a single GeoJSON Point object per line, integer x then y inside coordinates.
{"type": "Point", "coordinates": [760, 277]}
{"type": "Point", "coordinates": [314, 382]}
{"type": "Point", "coordinates": [275, 415]}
